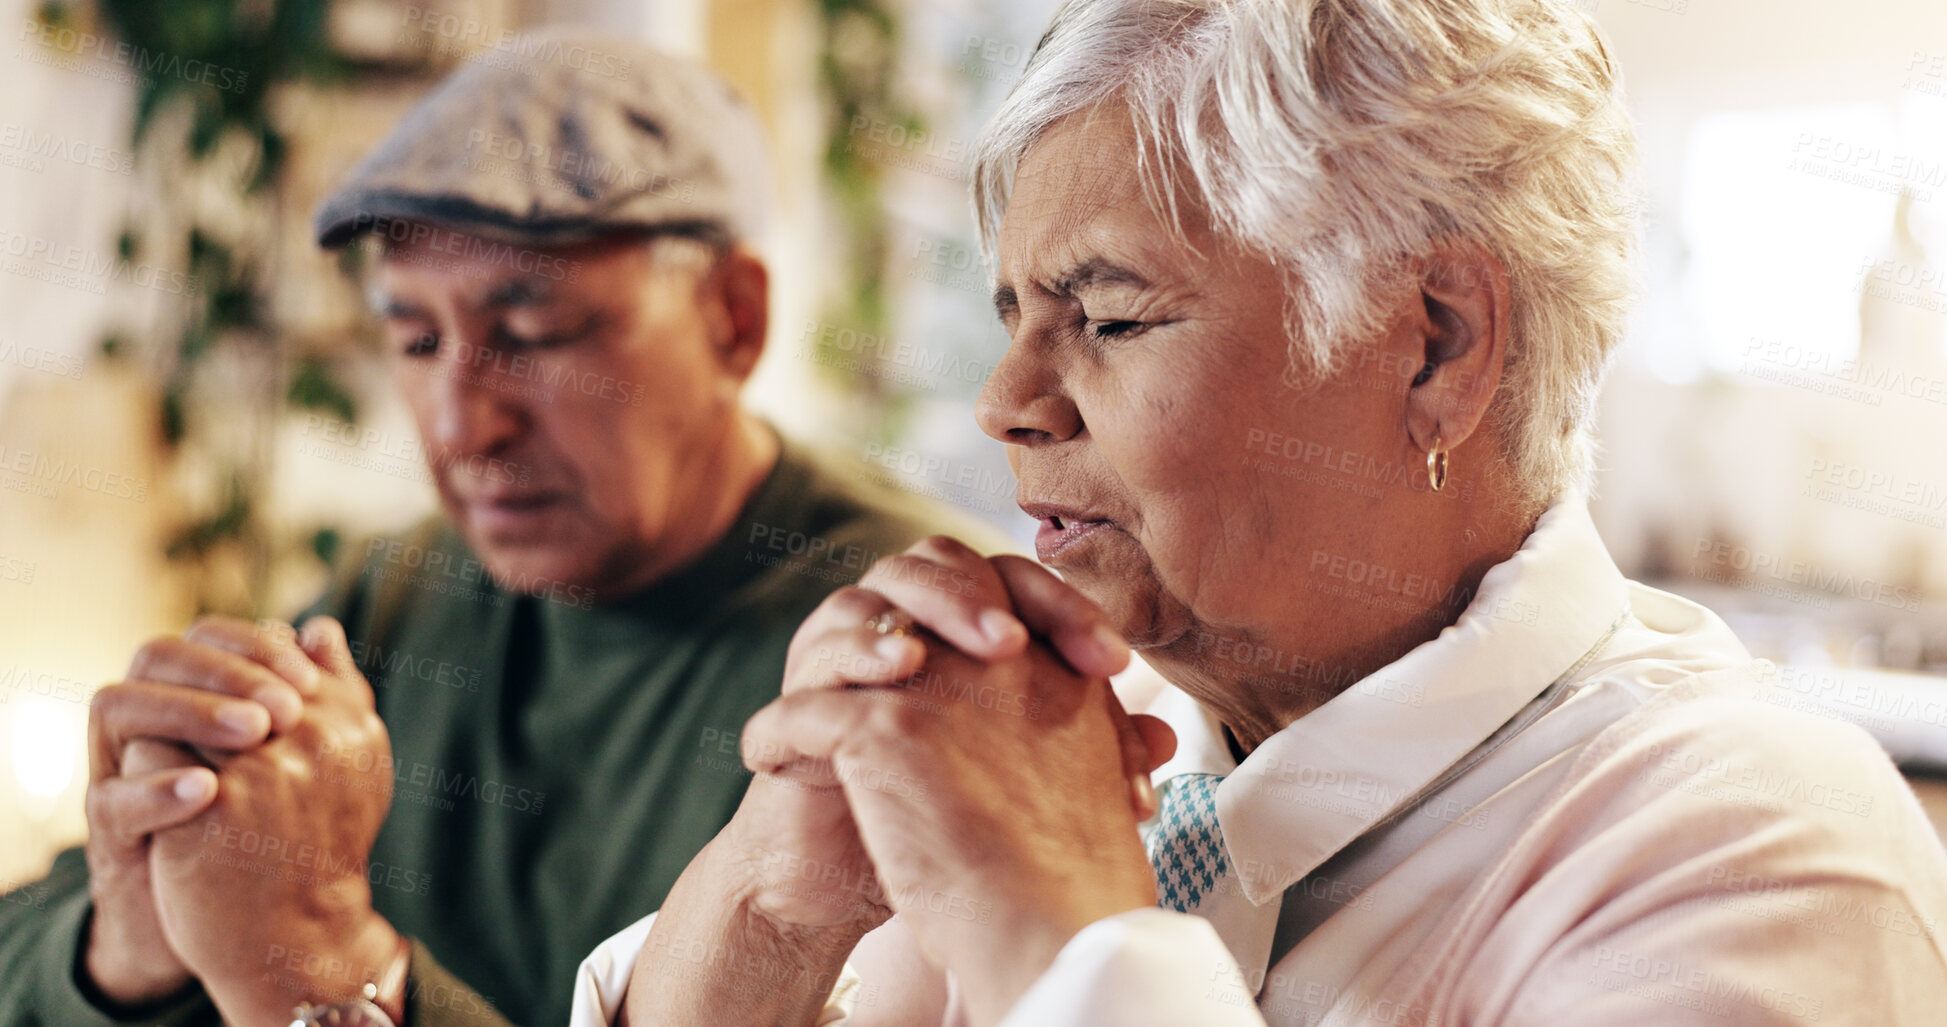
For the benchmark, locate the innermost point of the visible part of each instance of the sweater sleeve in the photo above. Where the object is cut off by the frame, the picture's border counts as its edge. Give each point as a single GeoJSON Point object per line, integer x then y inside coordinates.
{"type": "Point", "coordinates": [436, 998]}
{"type": "Point", "coordinates": [42, 926]}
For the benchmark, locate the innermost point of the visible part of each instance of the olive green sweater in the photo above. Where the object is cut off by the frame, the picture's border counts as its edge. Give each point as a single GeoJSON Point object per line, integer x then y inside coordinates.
{"type": "Point", "coordinates": [557, 761]}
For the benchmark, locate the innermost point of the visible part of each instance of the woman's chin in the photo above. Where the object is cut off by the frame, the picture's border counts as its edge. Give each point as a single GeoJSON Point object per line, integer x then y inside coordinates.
{"type": "Point", "coordinates": [1135, 608]}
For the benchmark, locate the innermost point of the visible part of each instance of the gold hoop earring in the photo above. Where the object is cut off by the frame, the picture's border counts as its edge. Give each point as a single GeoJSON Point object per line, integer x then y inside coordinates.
{"type": "Point", "coordinates": [1436, 466]}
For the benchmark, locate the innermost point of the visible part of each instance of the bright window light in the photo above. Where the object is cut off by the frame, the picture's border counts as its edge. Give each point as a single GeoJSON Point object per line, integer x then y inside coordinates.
{"type": "Point", "coordinates": [47, 736]}
{"type": "Point", "coordinates": [1783, 213]}
{"type": "Point", "coordinates": [1923, 134]}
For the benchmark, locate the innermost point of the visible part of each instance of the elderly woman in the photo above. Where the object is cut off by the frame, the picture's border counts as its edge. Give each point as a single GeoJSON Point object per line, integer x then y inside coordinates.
{"type": "Point", "coordinates": [1308, 300]}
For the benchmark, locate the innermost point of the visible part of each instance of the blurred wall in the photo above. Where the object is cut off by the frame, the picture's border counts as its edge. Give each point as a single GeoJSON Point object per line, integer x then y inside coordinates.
{"type": "Point", "coordinates": [1788, 468]}
{"type": "Point", "coordinates": [82, 579]}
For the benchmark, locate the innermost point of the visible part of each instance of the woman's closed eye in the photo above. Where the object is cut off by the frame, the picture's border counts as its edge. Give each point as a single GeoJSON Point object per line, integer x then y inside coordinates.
{"type": "Point", "coordinates": [1112, 329]}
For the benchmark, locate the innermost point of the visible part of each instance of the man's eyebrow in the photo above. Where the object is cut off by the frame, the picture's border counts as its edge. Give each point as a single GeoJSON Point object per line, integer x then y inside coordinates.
{"type": "Point", "coordinates": [392, 307]}
{"type": "Point", "coordinates": [519, 292]}
{"type": "Point", "coordinates": [511, 294]}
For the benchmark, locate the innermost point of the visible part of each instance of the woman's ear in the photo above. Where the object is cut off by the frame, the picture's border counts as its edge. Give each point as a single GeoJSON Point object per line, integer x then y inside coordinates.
{"type": "Point", "coordinates": [1465, 332]}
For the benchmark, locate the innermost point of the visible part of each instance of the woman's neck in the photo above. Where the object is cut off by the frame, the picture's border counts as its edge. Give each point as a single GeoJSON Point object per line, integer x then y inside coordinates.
{"type": "Point", "coordinates": [1295, 667]}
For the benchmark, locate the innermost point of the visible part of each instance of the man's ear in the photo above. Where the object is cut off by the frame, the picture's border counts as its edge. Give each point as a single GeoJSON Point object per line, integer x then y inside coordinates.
{"type": "Point", "coordinates": [1464, 290]}
{"type": "Point", "coordinates": [742, 284]}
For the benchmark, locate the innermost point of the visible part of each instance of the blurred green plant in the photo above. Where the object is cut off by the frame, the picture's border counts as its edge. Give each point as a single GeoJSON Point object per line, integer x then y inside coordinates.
{"type": "Point", "coordinates": [858, 67]}
{"type": "Point", "coordinates": [193, 125]}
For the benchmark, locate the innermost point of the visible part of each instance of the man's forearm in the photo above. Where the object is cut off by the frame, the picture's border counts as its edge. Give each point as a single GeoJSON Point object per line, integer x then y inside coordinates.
{"type": "Point", "coordinates": [712, 958]}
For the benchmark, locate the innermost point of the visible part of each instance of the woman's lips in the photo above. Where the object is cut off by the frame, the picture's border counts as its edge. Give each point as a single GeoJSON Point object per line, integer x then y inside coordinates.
{"type": "Point", "coordinates": [1057, 534]}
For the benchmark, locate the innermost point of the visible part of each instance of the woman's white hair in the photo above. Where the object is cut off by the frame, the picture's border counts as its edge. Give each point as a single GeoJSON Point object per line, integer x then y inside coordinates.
{"type": "Point", "coordinates": [1343, 137]}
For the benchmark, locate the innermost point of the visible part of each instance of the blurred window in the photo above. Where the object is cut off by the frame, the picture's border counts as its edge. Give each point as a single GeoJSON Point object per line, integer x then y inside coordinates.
{"type": "Point", "coordinates": [1784, 213]}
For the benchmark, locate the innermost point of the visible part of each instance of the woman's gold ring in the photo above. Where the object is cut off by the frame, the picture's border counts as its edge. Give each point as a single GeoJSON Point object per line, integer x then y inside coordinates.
{"type": "Point", "coordinates": [892, 622]}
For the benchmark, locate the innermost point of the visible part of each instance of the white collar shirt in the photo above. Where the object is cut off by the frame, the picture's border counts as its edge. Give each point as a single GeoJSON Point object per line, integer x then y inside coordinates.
{"type": "Point", "coordinates": [1360, 836]}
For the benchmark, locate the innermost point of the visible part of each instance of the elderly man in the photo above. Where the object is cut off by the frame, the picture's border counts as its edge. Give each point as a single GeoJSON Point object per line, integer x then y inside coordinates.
{"type": "Point", "coordinates": [527, 724]}
{"type": "Point", "coordinates": [1308, 302]}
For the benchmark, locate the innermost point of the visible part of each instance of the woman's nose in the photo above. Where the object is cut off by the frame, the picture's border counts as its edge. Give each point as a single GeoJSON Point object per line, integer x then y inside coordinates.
{"type": "Point", "coordinates": [1024, 400]}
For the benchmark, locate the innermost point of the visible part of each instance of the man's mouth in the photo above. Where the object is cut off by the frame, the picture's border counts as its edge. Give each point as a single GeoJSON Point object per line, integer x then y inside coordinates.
{"type": "Point", "coordinates": [509, 511]}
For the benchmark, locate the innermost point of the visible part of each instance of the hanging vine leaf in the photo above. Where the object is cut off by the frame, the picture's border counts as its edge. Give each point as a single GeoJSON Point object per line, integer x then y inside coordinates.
{"type": "Point", "coordinates": [234, 306]}
{"type": "Point", "coordinates": [325, 544]}
{"type": "Point", "coordinates": [196, 539]}
{"type": "Point", "coordinates": [271, 151]}
{"type": "Point", "coordinates": [174, 420]}
{"type": "Point", "coordinates": [314, 387]}
{"type": "Point", "coordinates": [856, 66]}
{"type": "Point", "coordinates": [193, 343]}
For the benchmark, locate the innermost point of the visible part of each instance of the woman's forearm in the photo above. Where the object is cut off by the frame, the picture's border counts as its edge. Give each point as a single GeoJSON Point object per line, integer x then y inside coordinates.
{"type": "Point", "coordinates": [711, 957]}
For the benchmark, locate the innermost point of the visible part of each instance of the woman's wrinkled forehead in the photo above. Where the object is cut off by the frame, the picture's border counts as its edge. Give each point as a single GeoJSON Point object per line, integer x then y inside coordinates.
{"type": "Point", "coordinates": [1097, 167]}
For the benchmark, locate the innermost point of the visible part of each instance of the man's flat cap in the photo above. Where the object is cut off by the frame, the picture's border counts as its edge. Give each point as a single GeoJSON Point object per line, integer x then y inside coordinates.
{"type": "Point", "coordinates": [561, 136]}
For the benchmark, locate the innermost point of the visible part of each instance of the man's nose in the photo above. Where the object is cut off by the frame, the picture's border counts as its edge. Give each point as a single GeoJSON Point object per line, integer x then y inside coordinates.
{"type": "Point", "coordinates": [474, 410]}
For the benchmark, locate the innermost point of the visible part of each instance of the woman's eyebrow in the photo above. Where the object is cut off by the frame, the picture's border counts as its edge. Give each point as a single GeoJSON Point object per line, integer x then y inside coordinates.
{"type": "Point", "coordinates": [1095, 272]}
{"type": "Point", "coordinates": [1006, 302]}
{"type": "Point", "coordinates": [1092, 273]}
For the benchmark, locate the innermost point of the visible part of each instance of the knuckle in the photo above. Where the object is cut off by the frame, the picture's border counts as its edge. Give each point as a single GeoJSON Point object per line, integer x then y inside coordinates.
{"type": "Point", "coordinates": [1001, 562]}
{"type": "Point", "coordinates": [235, 679]}
{"type": "Point", "coordinates": [816, 629]}
{"type": "Point", "coordinates": [839, 655]}
{"type": "Point", "coordinates": [106, 818]}
{"type": "Point", "coordinates": [292, 763]}
{"type": "Point", "coordinates": [208, 625]}
{"type": "Point", "coordinates": [105, 699]}
{"type": "Point", "coordinates": [944, 547]}
{"type": "Point", "coordinates": [107, 813]}
{"type": "Point", "coordinates": [795, 653]}
{"type": "Point", "coordinates": [856, 600]}
{"type": "Point", "coordinates": [802, 663]}
{"type": "Point", "coordinates": [896, 570]}
{"type": "Point", "coordinates": [880, 721]}
{"type": "Point", "coordinates": [274, 634]}
{"type": "Point", "coordinates": [108, 704]}
{"type": "Point", "coordinates": [309, 734]}
{"type": "Point", "coordinates": [151, 653]}
{"type": "Point", "coordinates": [94, 804]}
{"type": "Point", "coordinates": [372, 730]}
{"type": "Point", "coordinates": [847, 596]}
